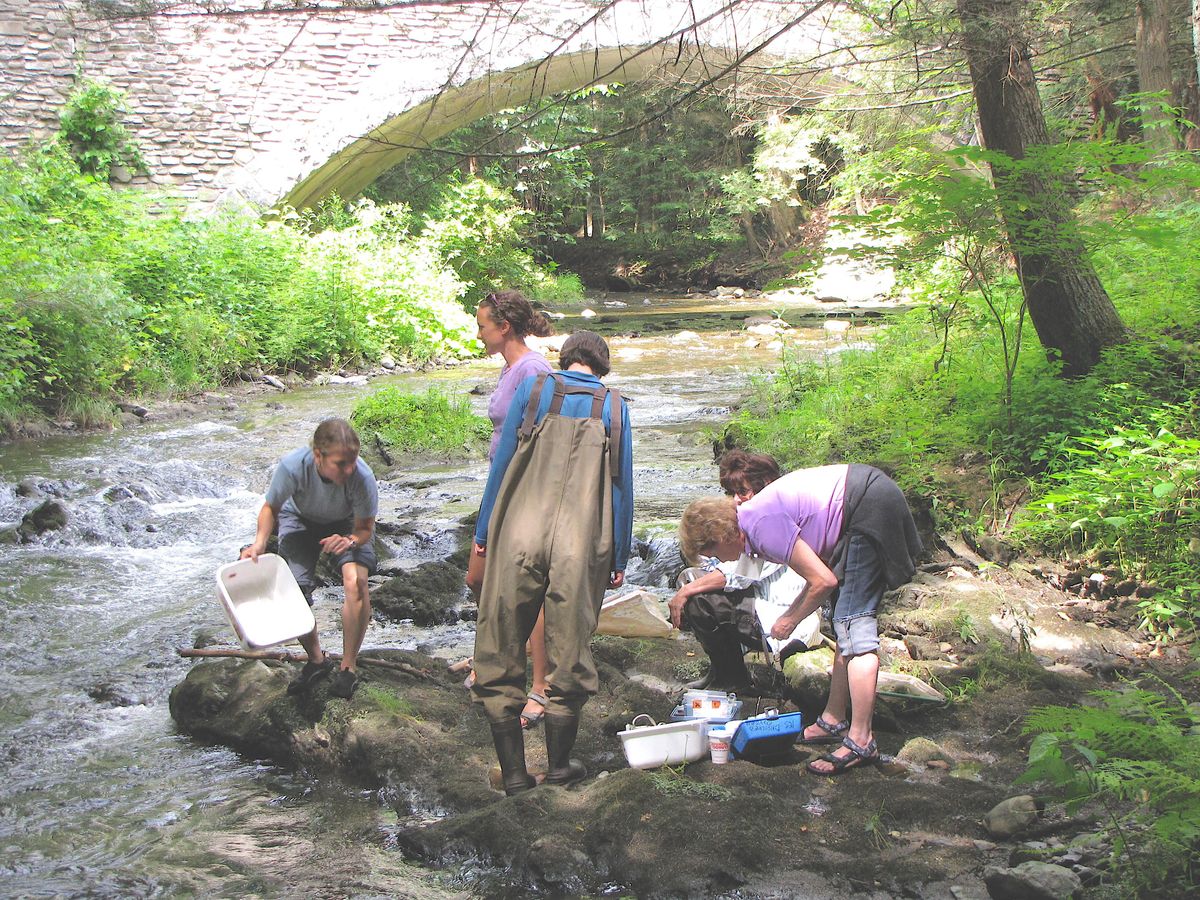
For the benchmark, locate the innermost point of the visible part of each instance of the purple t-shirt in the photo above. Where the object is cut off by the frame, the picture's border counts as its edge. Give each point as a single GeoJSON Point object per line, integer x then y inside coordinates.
{"type": "Point", "coordinates": [804, 504]}
{"type": "Point", "coordinates": [511, 376]}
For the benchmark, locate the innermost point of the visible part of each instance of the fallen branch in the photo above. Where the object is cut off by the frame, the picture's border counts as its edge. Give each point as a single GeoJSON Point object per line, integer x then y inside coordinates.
{"type": "Point", "coordinates": [285, 656]}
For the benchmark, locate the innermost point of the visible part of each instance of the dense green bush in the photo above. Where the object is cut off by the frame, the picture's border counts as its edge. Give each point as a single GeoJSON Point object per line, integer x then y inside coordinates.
{"type": "Point", "coordinates": [431, 423]}
{"type": "Point", "coordinates": [104, 291]}
{"type": "Point", "coordinates": [90, 123]}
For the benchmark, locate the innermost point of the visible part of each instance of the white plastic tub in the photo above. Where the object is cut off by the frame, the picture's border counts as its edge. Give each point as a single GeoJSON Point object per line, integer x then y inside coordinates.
{"type": "Point", "coordinates": [262, 602]}
{"type": "Point", "coordinates": [651, 745]}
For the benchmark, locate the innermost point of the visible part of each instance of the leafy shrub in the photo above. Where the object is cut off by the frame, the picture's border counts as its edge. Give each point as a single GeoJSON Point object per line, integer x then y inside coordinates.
{"type": "Point", "coordinates": [90, 123]}
{"type": "Point", "coordinates": [476, 230]}
{"type": "Point", "coordinates": [432, 423]}
{"type": "Point", "coordinates": [99, 295]}
{"type": "Point", "coordinates": [1138, 754]}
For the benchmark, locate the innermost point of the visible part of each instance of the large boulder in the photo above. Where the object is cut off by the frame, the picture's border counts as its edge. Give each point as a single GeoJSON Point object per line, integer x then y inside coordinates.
{"type": "Point", "coordinates": [428, 595]}
{"type": "Point", "coordinates": [701, 830]}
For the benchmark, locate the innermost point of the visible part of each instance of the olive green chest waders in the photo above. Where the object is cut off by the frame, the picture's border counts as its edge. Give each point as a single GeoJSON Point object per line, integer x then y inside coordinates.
{"type": "Point", "coordinates": [550, 543]}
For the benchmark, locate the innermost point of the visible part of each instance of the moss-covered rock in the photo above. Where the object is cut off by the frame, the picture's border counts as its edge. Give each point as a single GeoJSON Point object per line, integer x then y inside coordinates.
{"type": "Point", "coordinates": [429, 595]}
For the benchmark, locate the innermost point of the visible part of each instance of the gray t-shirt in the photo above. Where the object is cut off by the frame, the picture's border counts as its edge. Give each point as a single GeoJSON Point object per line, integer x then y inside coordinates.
{"type": "Point", "coordinates": [296, 486]}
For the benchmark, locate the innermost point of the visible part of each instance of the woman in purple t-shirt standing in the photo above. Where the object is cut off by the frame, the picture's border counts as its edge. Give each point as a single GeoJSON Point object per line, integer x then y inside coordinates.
{"type": "Point", "coordinates": [845, 529]}
{"type": "Point", "coordinates": [505, 320]}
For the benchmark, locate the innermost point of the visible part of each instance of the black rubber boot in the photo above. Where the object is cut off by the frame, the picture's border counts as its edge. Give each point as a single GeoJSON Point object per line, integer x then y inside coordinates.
{"type": "Point", "coordinates": [727, 667]}
{"type": "Point", "coordinates": [510, 751]}
{"type": "Point", "coordinates": [560, 740]}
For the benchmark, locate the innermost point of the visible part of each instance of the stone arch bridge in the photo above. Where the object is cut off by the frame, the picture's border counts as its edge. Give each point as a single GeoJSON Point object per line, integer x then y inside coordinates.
{"type": "Point", "coordinates": [260, 103]}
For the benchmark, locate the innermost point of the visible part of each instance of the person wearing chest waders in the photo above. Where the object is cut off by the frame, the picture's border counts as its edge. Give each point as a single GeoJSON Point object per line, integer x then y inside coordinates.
{"type": "Point", "coordinates": [847, 531]}
{"type": "Point", "coordinates": [506, 319]}
{"type": "Point", "coordinates": [556, 524]}
{"type": "Point", "coordinates": [325, 500]}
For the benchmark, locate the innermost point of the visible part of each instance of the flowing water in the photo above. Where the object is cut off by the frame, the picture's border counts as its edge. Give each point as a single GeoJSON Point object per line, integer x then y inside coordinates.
{"type": "Point", "coordinates": [101, 796]}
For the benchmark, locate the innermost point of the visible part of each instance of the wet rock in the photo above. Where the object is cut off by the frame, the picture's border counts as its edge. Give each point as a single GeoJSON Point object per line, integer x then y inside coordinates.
{"type": "Point", "coordinates": [704, 831]}
{"type": "Point", "coordinates": [30, 487]}
{"type": "Point", "coordinates": [1033, 881]}
{"type": "Point", "coordinates": [119, 492]}
{"type": "Point", "coordinates": [11, 535]}
{"type": "Point", "coordinates": [50, 515]}
{"type": "Point", "coordinates": [208, 636]}
{"type": "Point", "coordinates": [990, 547]}
{"type": "Point", "coordinates": [109, 695]}
{"type": "Point", "coordinates": [923, 752]}
{"type": "Point", "coordinates": [428, 594]}
{"type": "Point", "coordinates": [1012, 816]}
{"type": "Point", "coordinates": [808, 674]}
{"type": "Point", "coordinates": [655, 563]}
{"type": "Point", "coordinates": [128, 515]}
{"type": "Point", "coordinates": [555, 862]}
{"type": "Point", "coordinates": [135, 409]}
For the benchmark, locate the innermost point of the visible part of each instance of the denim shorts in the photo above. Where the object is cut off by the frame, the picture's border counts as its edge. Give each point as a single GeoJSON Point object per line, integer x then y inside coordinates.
{"type": "Point", "coordinates": [857, 602]}
{"type": "Point", "coordinates": [300, 545]}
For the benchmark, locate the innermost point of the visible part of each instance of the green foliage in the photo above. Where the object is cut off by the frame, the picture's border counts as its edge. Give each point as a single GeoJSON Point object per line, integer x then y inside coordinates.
{"type": "Point", "coordinates": [603, 164]}
{"type": "Point", "coordinates": [1137, 753]}
{"type": "Point", "coordinates": [1110, 458]}
{"type": "Point", "coordinates": [90, 123]}
{"type": "Point", "coordinates": [964, 624]}
{"type": "Point", "coordinates": [1132, 489]}
{"type": "Point", "coordinates": [100, 294]}
{"type": "Point", "coordinates": [432, 423]}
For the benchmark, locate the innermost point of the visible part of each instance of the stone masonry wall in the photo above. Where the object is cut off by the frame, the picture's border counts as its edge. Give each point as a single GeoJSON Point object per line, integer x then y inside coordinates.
{"type": "Point", "coordinates": [244, 107]}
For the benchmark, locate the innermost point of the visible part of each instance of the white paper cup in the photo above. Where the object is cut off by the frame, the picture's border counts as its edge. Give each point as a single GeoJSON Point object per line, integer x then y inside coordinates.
{"type": "Point", "coordinates": [718, 747]}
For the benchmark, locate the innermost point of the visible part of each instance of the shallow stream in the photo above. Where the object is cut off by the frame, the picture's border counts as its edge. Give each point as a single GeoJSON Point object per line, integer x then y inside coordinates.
{"type": "Point", "coordinates": [101, 796]}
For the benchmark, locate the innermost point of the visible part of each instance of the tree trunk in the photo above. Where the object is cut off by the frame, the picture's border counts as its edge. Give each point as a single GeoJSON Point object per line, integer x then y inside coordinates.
{"type": "Point", "coordinates": [1068, 306]}
{"type": "Point", "coordinates": [1110, 121]}
{"type": "Point", "coordinates": [1192, 106]}
{"type": "Point", "coordinates": [1196, 37]}
{"type": "Point", "coordinates": [1153, 43]}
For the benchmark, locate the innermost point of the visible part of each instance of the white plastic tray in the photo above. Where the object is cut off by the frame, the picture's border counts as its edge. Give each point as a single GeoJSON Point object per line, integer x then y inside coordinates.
{"type": "Point", "coordinates": [652, 745]}
{"type": "Point", "coordinates": [262, 602]}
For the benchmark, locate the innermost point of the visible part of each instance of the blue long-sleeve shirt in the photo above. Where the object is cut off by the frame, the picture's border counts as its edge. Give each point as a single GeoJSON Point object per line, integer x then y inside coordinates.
{"type": "Point", "coordinates": [578, 406]}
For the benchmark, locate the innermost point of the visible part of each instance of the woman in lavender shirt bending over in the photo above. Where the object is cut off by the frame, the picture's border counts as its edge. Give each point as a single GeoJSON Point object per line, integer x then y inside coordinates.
{"type": "Point", "coordinates": [505, 320]}
{"type": "Point", "coordinates": [846, 530]}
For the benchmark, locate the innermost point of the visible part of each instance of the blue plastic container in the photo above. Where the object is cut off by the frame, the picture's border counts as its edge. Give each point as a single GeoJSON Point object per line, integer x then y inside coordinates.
{"type": "Point", "coordinates": [770, 734]}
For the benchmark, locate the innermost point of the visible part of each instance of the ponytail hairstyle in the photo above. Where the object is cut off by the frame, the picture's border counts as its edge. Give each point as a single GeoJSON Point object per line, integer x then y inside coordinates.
{"type": "Point", "coordinates": [513, 308]}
